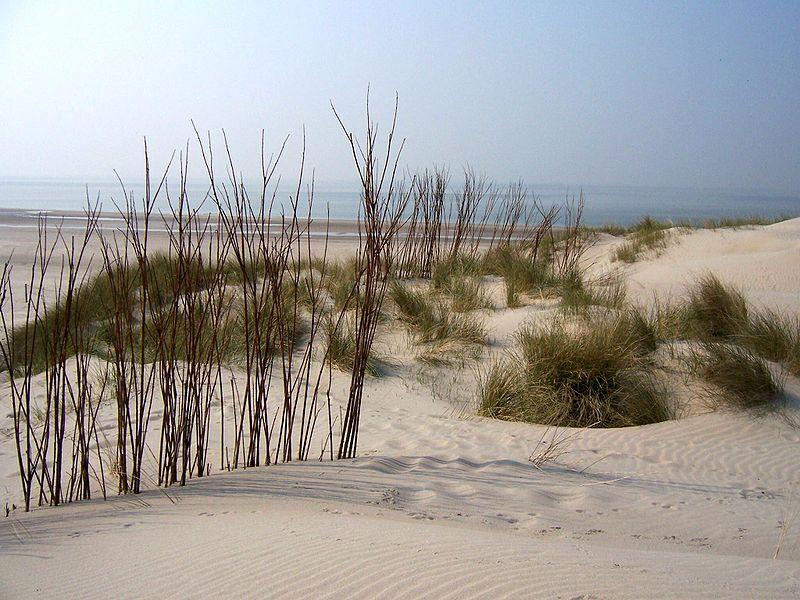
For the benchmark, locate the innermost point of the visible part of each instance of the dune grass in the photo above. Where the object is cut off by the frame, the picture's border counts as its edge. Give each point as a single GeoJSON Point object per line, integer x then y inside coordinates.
{"type": "Point", "coordinates": [661, 322]}
{"type": "Point", "coordinates": [93, 304]}
{"type": "Point", "coordinates": [774, 337]}
{"type": "Point", "coordinates": [453, 267]}
{"type": "Point", "coordinates": [716, 312]}
{"type": "Point", "coordinates": [433, 320]}
{"type": "Point", "coordinates": [648, 234]}
{"type": "Point", "coordinates": [341, 349]}
{"type": "Point", "coordinates": [521, 272]}
{"type": "Point", "coordinates": [466, 294]}
{"type": "Point", "coordinates": [577, 295]}
{"type": "Point", "coordinates": [340, 279]}
{"type": "Point", "coordinates": [602, 375]}
{"type": "Point", "coordinates": [92, 310]}
{"type": "Point", "coordinates": [713, 310]}
{"type": "Point", "coordinates": [737, 222]}
{"type": "Point", "coordinates": [736, 377]}
{"type": "Point", "coordinates": [616, 229]}
{"type": "Point", "coordinates": [460, 280]}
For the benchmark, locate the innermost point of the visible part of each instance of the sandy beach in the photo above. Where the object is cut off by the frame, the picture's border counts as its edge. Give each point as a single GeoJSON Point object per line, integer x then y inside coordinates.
{"type": "Point", "coordinates": [442, 503]}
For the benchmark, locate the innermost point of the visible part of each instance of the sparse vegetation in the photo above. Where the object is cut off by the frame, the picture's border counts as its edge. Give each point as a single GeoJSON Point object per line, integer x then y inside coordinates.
{"type": "Point", "coordinates": [616, 229]}
{"type": "Point", "coordinates": [602, 375]}
{"type": "Point", "coordinates": [232, 288]}
{"type": "Point", "coordinates": [341, 340]}
{"type": "Point", "coordinates": [715, 312]}
{"type": "Point", "coordinates": [736, 222]}
{"type": "Point", "coordinates": [434, 320]}
{"type": "Point", "coordinates": [648, 234]}
{"type": "Point", "coordinates": [577, 295]}
{"type": "Point", "coordinates": [735, 376]}
{"type": "Point", "coordinates": [236, 292]}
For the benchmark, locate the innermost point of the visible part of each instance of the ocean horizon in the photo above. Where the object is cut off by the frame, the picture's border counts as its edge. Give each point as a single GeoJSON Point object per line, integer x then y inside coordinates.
{"type": "Point", "coordinates": [621, 205]}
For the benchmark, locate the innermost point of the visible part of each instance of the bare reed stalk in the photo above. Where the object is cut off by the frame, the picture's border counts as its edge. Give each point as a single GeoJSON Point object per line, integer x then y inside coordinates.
{"type": "Point", "coordinates": [464, 227]}
{"type": "Point", "coordinates": [422, 247]}
{"type": "Point", "coordinates": [187, 325]}
{"type": "Point", "coordinates": [72, 337]}
{"type": "Point", "coordinates": [383, 204]}
{"type": "Point", "coordinates": [574, 241]}
{"type": "Point", "coordinates": [19, 349]}
{"type": "Point", "coordinates": [258, 263]}
{"type": "Point", "coordinates": [287, 288]}
{"type": "Point", "coordinates": [49, 447]}
{"type": "Point", "coordinates": [131, 280]}
{"type": "Point", "coordinates": [302, 384]}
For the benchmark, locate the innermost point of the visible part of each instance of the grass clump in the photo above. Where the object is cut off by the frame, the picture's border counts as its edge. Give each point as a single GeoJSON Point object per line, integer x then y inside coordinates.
{"type": "Point", "coordinates": [454, 267]}
{"type": "Point", "coordinates": [447, 325]}
{"type": "Point", "coordinates": [647, 234]}
{"type": "Point", "coordinates": [414, 309]}
{"type": "Point", "coordinates": [774, 337]}
{"type": "Point", "coordinates": [467, 295]}
{"type": "Point", "coordinates": [341, 337]}
{"type": "Point", "coordinates": [434, 320]}
{"type": "Point", "coordinates": [577, 295]}
{"type": "Point", "coordinates": [736, 377]}
{"type": "Point", "coordinates": [661, 322]}
{"type": "Point", "coordinates": [521, 272]}
{"type": "Point", "coordinates": [459, 279]}
{"type": "Point", "coordinates": [602, 375]}
{"type": "Point", "coordinates": [713, 310]}
{"type": "Point", "coordinates": [340, 282]}
{"type": "Point", "coordinates": [614, 229]}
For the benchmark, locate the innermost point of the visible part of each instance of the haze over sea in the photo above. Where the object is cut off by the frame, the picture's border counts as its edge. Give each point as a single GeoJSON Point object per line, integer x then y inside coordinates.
{"type": "Point", "coordinates": [604, 204]}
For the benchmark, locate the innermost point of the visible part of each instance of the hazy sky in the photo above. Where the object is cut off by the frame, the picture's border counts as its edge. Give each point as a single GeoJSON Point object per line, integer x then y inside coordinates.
{"type": "Point", "coordinates": [655, 93]}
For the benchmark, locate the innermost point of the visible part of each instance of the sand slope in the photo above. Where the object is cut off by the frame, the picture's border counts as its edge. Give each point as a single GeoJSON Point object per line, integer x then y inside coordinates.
{"type": "Point", "coordinates": [443, 505]}
{"type": "Point", "coordinates": [763, 261]}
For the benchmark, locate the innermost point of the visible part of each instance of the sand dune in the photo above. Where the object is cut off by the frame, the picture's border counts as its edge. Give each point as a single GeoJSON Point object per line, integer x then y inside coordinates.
{"type": "Point", "coordinates": [443, 504]}
{"type": "Point", "coordinates": [763, 261]}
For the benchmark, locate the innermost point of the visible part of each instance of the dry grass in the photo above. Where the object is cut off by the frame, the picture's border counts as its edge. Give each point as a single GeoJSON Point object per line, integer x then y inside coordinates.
{"type": "Point", "coordinates": [715, 312]}
{"type": "Point", "coordinates": [577, 295]}
{"type": "Point", "coordinates": [602, 375]}
{"type": "Point", "coordinates": [735, 377]}
{"type": "Point", "coordinates": [433, 320]}
{"type": "Point", "coordinates": [646, 235]}
{"type": "Point", "coordinates": [341, 347]}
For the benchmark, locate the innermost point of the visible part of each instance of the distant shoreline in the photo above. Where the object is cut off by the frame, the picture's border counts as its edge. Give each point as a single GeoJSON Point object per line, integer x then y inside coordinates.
{"type": "Point", "coordinates": [70, 220]}
{"type": "Point", "coordinates": [622, 205]}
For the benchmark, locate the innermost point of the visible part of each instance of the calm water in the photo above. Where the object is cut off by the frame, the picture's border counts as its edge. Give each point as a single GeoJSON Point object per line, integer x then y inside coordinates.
{"type": "Point", "coordinates": [622, 205]}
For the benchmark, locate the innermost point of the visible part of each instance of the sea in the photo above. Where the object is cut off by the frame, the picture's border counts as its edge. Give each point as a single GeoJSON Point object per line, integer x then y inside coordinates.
{"type": "Point", "coordinates": [621, 205]}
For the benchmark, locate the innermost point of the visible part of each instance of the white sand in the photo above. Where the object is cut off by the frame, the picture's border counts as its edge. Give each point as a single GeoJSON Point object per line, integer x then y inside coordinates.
{"type": "Point", "coordinates": [443, 505]}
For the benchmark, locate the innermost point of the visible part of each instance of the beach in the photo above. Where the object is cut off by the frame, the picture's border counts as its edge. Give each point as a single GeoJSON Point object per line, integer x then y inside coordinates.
{"type": "Point", "coordinates": [441, 502]}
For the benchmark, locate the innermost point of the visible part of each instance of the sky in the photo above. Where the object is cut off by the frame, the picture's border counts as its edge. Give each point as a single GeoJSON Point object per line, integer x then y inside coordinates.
{"type": "Point", "coordinates": [699, 94]}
